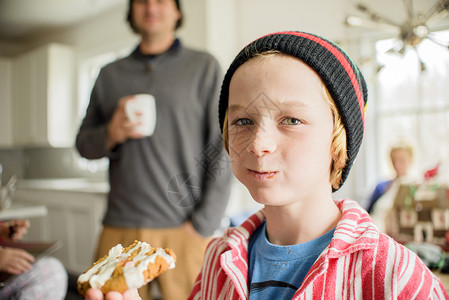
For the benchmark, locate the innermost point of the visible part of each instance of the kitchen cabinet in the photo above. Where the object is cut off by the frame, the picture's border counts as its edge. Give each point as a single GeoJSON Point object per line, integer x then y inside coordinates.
{"type": "Point", "coordinates": [42, 97]}
{"type": "Point", "coordinates": [6, 139]}
{"type": "Point", "coordinates": [74, 213]}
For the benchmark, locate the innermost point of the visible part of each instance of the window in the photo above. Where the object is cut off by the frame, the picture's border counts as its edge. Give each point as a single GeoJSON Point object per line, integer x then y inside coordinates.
{"type": "Point", "coordinates": [412, 106]}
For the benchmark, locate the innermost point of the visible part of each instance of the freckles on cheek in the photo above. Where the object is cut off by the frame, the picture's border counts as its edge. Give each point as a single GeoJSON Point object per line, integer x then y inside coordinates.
{"type": "Point", "coordinates": [238, 141]}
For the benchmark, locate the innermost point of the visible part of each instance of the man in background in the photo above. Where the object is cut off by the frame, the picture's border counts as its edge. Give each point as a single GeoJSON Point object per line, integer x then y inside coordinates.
{"type": "Point", "coordinates": [171, 188]}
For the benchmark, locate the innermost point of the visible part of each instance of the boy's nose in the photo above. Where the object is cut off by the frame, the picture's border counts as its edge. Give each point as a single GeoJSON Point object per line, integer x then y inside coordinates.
{"type": "Point", "coordinates": [262, 142]}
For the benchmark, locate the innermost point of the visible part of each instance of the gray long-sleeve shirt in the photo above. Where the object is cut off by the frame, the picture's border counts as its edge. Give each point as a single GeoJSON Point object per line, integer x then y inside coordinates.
{"type": "Point", "coordinates": [179, 173]}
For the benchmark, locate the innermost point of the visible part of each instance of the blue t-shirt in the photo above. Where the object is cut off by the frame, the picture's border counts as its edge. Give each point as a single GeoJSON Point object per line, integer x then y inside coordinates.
{"type": "Point", "coordinates": [276, 272]}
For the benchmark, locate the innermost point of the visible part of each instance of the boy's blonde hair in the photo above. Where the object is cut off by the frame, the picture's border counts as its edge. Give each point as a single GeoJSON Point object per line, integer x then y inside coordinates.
{"type": "Point", "coordinates": [338, 150]}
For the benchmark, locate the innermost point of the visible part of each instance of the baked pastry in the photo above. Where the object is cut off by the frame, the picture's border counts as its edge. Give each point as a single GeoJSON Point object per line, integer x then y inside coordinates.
{"type": "Point", "coordinates": [125, 268]}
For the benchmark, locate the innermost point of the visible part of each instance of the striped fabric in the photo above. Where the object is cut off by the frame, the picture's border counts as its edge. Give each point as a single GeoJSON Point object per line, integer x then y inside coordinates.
{"type": "Point", "coordinates": [360, 263]}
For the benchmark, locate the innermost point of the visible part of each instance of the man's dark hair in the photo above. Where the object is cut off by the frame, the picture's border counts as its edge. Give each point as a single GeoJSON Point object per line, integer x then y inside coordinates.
{"type": "Point", "coordinates": [130, 20]}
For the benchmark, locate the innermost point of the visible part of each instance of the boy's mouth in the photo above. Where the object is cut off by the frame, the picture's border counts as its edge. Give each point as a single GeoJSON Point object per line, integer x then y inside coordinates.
{"type": "Point", "coordinates": [262, 174]}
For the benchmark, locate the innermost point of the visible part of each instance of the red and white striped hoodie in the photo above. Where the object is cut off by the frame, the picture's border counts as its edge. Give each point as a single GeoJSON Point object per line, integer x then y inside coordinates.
{"type": "Point", "coordinates": [359, 263]}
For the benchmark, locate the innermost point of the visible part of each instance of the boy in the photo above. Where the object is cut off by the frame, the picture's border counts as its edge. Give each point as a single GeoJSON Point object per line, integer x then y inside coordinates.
{"type": "Point", "coordinates": [291, 110]}
{"type": "Point", "coordinates": [292, 115]}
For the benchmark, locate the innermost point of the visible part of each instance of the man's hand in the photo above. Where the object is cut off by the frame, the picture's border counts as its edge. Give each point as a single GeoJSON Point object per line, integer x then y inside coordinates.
{"type": "Point", "coordinates": [188, 227]}
{"type": "Point", "coordinates": [94, 294]}
{"type": "Point", "coordinates": [15, 261]}
{"type": "Point", "coordinates": [120, 128]}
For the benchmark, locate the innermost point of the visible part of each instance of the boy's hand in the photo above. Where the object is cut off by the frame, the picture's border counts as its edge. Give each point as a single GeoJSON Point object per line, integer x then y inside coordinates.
{"type": "Point", "coordinates": [95, 294]}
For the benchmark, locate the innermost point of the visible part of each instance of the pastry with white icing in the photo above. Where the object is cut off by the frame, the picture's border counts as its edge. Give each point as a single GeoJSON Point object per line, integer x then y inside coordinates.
{"type": "Point", "coordinates": [125, 268]}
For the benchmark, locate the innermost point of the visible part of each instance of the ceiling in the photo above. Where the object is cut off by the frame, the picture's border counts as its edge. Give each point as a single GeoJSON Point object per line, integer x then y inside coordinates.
{"type": "Point", "coordinates": [22, 18]}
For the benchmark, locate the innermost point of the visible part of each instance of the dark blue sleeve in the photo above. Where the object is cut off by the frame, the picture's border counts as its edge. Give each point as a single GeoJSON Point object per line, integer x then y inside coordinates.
{"type": "Point", "coordinates": [380, 189]}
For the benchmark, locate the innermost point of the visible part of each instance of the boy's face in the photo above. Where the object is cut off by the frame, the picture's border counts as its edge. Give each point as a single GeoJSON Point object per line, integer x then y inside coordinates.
{"type": "Point", "coordinates": [280, 130]}
{"type": "Point", "coordinates": [155, 17]}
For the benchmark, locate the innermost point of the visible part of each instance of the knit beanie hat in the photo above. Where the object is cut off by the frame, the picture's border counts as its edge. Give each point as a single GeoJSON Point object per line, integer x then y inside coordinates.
{"type": "Point", "coordinates": [340, 75]}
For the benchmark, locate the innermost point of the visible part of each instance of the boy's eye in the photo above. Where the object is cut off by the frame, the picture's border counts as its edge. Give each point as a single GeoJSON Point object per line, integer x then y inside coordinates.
{"type": "Point", "coordinates": [291, 121]}
{"type": "Point", "coordinates": [243, 122]}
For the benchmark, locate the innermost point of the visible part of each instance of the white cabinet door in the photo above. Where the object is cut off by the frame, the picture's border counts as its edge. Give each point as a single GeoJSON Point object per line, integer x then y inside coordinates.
{"type": "Point", "coordinates": [21, 94]}
{"type": "Point", "coordinates": [73, 218]}
{"type": "Point", "coordinates": [61, 112]}
{"type": "Point", "coordinates": [42, 94]}
{"type": "Point", "coordinates": [6, 139]}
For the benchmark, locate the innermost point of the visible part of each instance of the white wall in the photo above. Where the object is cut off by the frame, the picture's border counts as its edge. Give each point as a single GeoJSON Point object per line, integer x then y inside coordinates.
{"type": "Point", "coordinates": [222, 30]}
{"type": "Point", "coordinates": [259, 17]}
{"type": "Point", "coordinates": [6, 105]}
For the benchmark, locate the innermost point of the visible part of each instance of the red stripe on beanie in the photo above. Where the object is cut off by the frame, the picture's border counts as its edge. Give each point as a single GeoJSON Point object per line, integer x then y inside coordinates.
{"type": "Point", "coordinates": [341, 58]}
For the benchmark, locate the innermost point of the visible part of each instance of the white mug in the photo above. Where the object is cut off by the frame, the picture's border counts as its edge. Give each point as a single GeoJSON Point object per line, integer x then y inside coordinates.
{"type": "Point", "coordinates": [142, 109]}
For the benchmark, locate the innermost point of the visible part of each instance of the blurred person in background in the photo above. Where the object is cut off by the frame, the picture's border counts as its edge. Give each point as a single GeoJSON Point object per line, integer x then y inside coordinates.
{"type": "Point", "coordinates": [44, 279]}
{"type": "Point", "coordinates": [382, 199]}
{"type": "Point", "coordinates": [169, 189]}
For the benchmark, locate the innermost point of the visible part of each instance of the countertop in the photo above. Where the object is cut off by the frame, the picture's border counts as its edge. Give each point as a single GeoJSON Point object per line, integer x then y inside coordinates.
{"type": "Point", "coordinates": [19, 211]}
{"type": "Point", "coordinates": [65, 184]}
